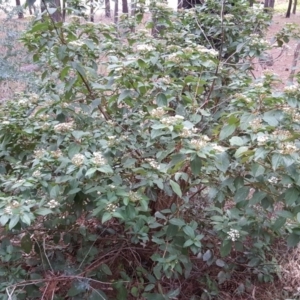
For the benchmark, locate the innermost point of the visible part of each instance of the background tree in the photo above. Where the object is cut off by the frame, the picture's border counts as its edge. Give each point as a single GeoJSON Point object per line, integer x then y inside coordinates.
{"type": "Point", "coordinates": [20, 10]}
{"type": "Point", "coordinates": [116, 12]}
{"type": "Point", "coordinates": [124, 6]}
{"type": "Point", "coordinates": [295, 6]}
{"type": "Point", "coordinates": [107, 8]}
{"type": "Point", "coordinates": [269, 4]}
{"type": "Point", "coordinates": [288, 12]}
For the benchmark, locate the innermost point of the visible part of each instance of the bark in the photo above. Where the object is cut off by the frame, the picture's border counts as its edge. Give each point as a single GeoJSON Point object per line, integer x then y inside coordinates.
{"type": "Point", "coordinates": [116, 13]}
{"type": "Point", "coordinates": [92, 11]}
{"type": "Point", "coordinates": [64, 10]}
{"type": "Point", "coordinates": [288, 12]}
{"type": "Point", "coordinates": [133, 6]}
{"type": "Point", "coordinates": [295, 6]}
{"type": "Point", "coordinates": [124, 7]}
{"type": "Point", "coordinates": [294, 64]}
{"type": "Point", "coordinates": [20, 12]}
{"type": "Point", "coordinates": [107, 8]}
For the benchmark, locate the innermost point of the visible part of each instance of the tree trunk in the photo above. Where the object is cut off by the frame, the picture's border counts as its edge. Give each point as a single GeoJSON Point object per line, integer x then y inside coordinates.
{"type": "Point", "coordinates": [294, 64]}
{"type": "Point", "coordinates": [107, 8]}
{"type": "Point", "coordinates": [20, 10]}
{"type": "Point", "coordinates": [288, 12]}
{"type": "Point", "coordinates": [64, 10]}
{"type": "Point", "coordinates": [295, 6]}
{"type": "Point", "coordinates": [116, 13]}
{"type": "Point", "coordinates": [92, 11]}
{"type": "Point", "coordinates": [271, 3]}
{"type": "Point", "coordinates": [124, 7]}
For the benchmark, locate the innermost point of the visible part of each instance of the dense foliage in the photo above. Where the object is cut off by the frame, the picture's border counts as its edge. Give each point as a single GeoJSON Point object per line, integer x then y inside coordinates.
{"type": "Point", "coordinates": [141, 159]}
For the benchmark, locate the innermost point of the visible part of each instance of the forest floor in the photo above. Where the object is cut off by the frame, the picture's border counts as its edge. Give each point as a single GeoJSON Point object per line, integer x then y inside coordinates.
{"type": "Point", "coordinates": [283, 59]}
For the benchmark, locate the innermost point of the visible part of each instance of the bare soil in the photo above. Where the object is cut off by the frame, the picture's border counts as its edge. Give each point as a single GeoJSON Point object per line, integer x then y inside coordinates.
{"type": "Point", "coordinates": [282, 60]}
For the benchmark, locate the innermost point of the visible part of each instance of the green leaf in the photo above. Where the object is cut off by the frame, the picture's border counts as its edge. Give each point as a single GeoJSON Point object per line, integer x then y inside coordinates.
{"type": "Point", "coordinates": [189, 231]}
{"type": "Point", "coordinates": [276, 161]}
{"type": "Point", "coordinates": [196, 164]}
{"type": "Point", "coordinates": [291, 196]}
{"type": "Point", "coordinates": [124, 94]}
{"type": "Point", "coordinates": [105, 169]}
{"type": "Point", "coordinates": [220, 263]}
{"type": "Point", "coordinates": [207, 255]}
{"type": "Point", "coordinates": [241, 194]}
{"type": "Point", "coordinates": [13, 221]}
{"type": "Point", "coordinates": [293, 240]}
{"type": "Point", "coordinates": [161, 100]}
{"type": "Point", "coordinates": [226, 131]}
{"type": "Point", "coordinates": [97, 295]}
{"type": "Point", "coordinates": [225, 248]}
{"type": "Point", "coordinates": [280, 222]}
{"type": "Point", "coordinates": [43, 211]}
{"type": "Point", "coordinates": [236, 141]}
{"type": "Point", "coordinates": [26, 243]}
{"type": "Point", "coordinates": [153, 296]}
{"type": "Point", "coordinates": [176, 188]}
{"type": "Point", "coordinates": [188, 243]}
{"type": "Point", "coordinates": [78, 134]}
{"type": "Point", "coordinates": [54, 192]}
{"type": "Point", "coordinates": [257, 170]}
{"type": "Point", "coordinates": [90, 172]}
{"type": "Point", "coordinates": [177, 222]}
{"type": "Point", "coordinates": [76, 289]}
{"type": "Point", "coordinates": [239, 152]}
{"type": "Point", "coordinates": [105, 268]}
{"type": "Point", "coordinates": [222, 161]}
{"type": "Point", "coordinates": [106, 217]}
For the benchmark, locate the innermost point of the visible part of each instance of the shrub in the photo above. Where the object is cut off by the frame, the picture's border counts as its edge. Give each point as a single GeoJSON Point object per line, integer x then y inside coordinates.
{"type": "Point", "coordinates": [117, 180]}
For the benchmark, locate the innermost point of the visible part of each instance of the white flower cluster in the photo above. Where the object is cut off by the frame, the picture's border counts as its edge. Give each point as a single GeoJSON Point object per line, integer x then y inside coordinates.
{"type": "Point", "coordinates": [52, 203]}
{"type": "Point", "coordinates": [157, 112]}
{"type": "Point", "coordinates": [262, 139]}
{"type": "Point", "coordinates": [134, 196]}
{"type": "Point", "coordinates": [281, 135]}
{"type": "Point", "coordinates": [228, 17]}
{"type": "Point", "coordinates": [23, 102]}
{"type": "Point", "coordinates": [78, 159]}
{"type": "Point", "coordinates": [64, 127]}
{"type": "Point", "coordinates": [217, 148]}
{"type": "Point", "coordinates": [98, 159]}
{"type": "Point", "coordinates": [187, 132]}
{"type": "Point", "coordinates": [242, 97]}
{"type": "Point", "coordinates": [56, 153]}
{"type": "Point", "coordinates": [5, 123]}
{"type": "Point", "coordinates": [174, 57]}
{"type": "Point", "coordinates": [8, 210]}
{"type": "Point", "coordinates": [287, 148]}
{"type": "Point", "coordinates": [43, 117]}
{"type": "Point", "coordinates": [203, 49]}
{"type": "Point", "coordinates": [39, 153]}
{"type": "Point", "coordinates": [144, 48]}
{"type": "Point", "coordinates": [255, 40]}
{"type": "Point", "coordinates": [233, 234]}
{"type": "Point", "coordinates": [171, 120]}
{"type": "Point", "coordinates": [46, 126]}
{"type": "Point", "coordinates": [163, 6]}
{"type": "Point", "coordinates": [111, 140]}
{"type": "Point", "coordinates": [111, 207]}
{"type": "Point", "coordinates": [296, 117]}
{"type": "Point", "coordinates": [76, 43]}
{"type": "Point", "coordinates": [255, 124]}
{"type": "Point", "coordinates": [153, 163]}
{"type": "Point", "coordinates": [37, 174]}
{"type": "Point", "coordinates": [291, 89]}
{"type": "Point", "coordinates": [201, 142]}
{"type": "Point", "coordinates": [273, 180]}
